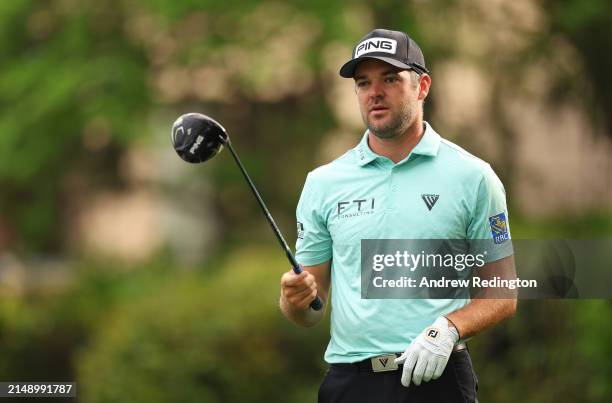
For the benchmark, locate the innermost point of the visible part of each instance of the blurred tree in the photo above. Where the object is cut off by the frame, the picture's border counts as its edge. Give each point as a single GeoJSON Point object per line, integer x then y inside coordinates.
{"type": "Point", "coordinates": [81, 80]}
{"type": "Point", "coordinates": [73, 95]}
{"type": "Point", "coordinates": [586, 25]}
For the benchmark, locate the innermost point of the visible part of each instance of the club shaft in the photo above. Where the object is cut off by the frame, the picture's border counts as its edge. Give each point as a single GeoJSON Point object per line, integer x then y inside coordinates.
{"type": "Point", "coordinates": [296, 267]}
{"type": "Point", "coordinates": [317, 304]}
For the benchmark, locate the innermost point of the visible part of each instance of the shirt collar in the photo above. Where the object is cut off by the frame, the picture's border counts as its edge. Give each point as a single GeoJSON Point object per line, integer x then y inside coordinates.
{"type": "Point", "coordinates": [427, 146]}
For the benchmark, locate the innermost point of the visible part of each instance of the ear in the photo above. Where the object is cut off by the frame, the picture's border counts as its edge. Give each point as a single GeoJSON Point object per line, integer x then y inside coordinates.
{"type": "Point", "coordinates": [424, 85]}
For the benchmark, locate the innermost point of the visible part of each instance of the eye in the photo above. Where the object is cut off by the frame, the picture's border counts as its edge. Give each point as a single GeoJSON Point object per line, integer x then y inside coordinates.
{"type": "Point", "coordinates": [361, 84]}
{"type": "Point", "coordinates": [390, 79]}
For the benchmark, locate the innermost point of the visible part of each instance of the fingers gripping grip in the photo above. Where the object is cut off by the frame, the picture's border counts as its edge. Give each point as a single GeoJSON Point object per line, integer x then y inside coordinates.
{"type": "Point", "coordinates": [316, 304]}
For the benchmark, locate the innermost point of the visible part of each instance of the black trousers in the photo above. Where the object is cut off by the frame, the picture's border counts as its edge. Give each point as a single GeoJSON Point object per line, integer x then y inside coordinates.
{"type": "Point", "coordinates": [350, 384]}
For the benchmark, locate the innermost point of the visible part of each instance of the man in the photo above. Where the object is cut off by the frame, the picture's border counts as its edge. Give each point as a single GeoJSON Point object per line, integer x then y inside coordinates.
{"type": "Point", "coordinates": [403, 181]}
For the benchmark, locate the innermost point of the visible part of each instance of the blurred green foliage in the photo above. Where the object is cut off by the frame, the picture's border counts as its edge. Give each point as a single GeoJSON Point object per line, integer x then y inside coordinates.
{"type": "Point", "coordinates": [82, 80]}
{"type": "Point", "coordinates": [158, 334]}
{"type": "Point", "coordinates": [68, 72]}
{"type": "Point", "coordinates": [586, 24]}
{"type": "Point", "coordinates": [155, 335]}
{"type": "Point", "coordinates": [221, 340]}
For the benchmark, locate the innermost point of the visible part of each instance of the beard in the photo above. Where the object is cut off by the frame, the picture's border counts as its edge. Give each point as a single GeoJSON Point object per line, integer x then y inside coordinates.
{"type": "Point", "coordinates": [397, 123]}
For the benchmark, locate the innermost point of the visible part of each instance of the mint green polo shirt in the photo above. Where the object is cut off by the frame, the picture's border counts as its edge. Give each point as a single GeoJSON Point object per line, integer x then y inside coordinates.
{"type": "Point", "coordinates": [362, 195]}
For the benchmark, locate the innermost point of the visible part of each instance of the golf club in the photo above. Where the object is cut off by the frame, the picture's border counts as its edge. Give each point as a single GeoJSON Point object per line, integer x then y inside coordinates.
{"type": "Point", "coordinates": [197, 138]}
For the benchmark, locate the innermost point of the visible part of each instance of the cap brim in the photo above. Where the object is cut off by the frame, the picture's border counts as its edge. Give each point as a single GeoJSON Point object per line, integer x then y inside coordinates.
{"type": "Point", "coordinates": [348, 69]}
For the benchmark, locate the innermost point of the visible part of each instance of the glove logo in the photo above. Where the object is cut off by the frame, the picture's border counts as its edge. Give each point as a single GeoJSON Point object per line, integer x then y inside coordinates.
{"type": "Point", "coordinates": [300, 230]}
{"type": "Point", "coordinates": [432, 333]}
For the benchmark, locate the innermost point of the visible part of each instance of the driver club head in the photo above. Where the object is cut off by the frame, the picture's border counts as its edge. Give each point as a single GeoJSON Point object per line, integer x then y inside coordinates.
{"type": "Point", "coordinates": [197, 138]}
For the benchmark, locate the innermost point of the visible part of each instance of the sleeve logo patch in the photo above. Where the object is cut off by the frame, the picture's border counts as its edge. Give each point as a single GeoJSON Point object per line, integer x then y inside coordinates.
{"type": "Point", "coordinates": [499, 228]}
{"type": "Point", "coordinates": [300, 230]}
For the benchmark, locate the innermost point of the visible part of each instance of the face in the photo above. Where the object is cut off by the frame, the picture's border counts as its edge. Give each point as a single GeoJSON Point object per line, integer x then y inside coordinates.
{"type": "Point", "coordinates": [388, 100]}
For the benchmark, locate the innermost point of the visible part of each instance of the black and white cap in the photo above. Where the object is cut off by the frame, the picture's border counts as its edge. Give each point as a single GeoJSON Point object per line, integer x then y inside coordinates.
{"type": "Point", "coordinates": [393, 47]}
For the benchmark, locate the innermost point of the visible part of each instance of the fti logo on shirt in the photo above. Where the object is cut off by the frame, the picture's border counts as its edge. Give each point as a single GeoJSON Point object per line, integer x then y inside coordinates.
{"type": "Point", "coordinates": [356, 208]}
{"type": "Point", "coordinates": [499, 228]}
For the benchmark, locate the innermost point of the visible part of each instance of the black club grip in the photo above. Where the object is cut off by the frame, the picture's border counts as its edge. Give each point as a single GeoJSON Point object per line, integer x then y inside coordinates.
{"type": "Point", "coordinates": [317, 304]}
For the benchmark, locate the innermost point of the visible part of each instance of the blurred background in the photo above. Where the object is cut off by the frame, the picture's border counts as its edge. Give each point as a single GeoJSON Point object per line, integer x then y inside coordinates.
{"type": "Point", "coordinates": [146, 279]}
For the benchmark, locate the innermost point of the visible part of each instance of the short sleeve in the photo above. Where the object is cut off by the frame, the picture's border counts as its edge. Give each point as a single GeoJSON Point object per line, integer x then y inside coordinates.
{"type": "Point", "coordinates": [314, 243]}
{"type": "Point", "coordinates": [489, 227]}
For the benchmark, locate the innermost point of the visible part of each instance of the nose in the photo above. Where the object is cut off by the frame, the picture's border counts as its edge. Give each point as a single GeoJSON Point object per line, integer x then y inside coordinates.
{"type": "Point", "coordinates": [376, 90]}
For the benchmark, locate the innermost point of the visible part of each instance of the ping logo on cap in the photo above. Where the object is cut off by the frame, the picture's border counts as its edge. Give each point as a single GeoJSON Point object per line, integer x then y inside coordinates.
{"type": "Point", "coordinates": [385, 45]}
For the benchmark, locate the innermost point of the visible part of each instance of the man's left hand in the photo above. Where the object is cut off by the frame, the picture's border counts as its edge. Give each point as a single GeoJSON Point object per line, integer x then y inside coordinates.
{"type": "Point", "coordinates": [427, 355]}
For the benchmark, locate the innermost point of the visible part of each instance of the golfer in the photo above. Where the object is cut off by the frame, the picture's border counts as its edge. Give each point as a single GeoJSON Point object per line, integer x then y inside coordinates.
{"type": "Point", "coordinates": [402, 181]}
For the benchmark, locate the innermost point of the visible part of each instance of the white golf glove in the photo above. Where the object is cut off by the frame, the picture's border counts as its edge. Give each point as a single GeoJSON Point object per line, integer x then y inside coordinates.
{"type": "Point", "coordinates": [427, 355]}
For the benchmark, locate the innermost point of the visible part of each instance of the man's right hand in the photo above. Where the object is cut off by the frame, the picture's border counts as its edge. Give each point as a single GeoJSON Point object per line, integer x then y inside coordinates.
{"type": "Point", "coordinates": [298, 290]}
